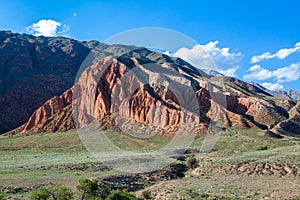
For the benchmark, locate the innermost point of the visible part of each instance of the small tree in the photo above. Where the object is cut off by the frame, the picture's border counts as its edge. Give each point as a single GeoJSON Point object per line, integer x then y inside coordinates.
{"type": "Point", "coordinates": [92, 189]}
{"type": "Point", "coordinates": [60, 192]}
{"type": "Point", "coordinates": [87, 188]}
{"type": "Point", "coordinates": [192, 162]}
{"type": "Point", "coordinates": [121, 195]}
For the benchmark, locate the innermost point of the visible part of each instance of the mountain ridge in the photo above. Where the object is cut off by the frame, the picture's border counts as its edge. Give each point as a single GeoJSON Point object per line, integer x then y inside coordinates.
{"type": "Point", "coordinates": [151, 102]}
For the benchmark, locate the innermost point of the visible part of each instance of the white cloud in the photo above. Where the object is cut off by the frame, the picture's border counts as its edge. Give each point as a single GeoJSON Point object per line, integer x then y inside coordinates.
{"type": "Point", "coordinates": [272, 86]}
{"type": "Point", "coordinates": [258, 73]}
{"type": "Point", "coordinates": [195, 56]}
{"type": "Point", "coordinates": [258, 58]}
{"type": "Point", "coordinates": [284, 74]}
{"type": "Point", "coordinates": [209, 56]}
{"type": "Point", "coordinates": [254, 67]}
{"type": "Point", "coordinates": [281, 54]}
{"type": "Point", "coordinates": [230, 71]}
{"type": "Point", "coordinates": [47, 28]}
{"type": "Point", "coordinates": [287, 74]}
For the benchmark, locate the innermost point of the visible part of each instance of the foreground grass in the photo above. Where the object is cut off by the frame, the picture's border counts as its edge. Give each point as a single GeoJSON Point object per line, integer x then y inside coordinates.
{"type": "Point", "coordinates": [36, 160]}
{"type": "Point", "coordinates": [41, 159]}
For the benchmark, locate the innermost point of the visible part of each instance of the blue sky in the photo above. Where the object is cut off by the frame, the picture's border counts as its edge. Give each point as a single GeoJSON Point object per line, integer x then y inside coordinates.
{"type": "Point", "coordinates": [262, 36]}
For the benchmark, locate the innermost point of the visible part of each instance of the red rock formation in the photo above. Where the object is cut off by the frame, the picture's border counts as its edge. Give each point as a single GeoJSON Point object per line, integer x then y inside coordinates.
{"type": "Point", "coordinates": [130, 83]}
{"type": "Point", "coordinates": [108, 88]}
{"type": "Point", "coordinates": [56, 105]}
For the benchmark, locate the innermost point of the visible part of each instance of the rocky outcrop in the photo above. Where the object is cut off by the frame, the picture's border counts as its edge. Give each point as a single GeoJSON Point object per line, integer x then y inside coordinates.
{"type": "Point", "coordinates": [262, 113]}
{"type": "Point", "coordinates": [254, 169]}
{"type": "Point", "coordinates": [54, 115]}
{"type": "Point", "coordinates": [290, 126]}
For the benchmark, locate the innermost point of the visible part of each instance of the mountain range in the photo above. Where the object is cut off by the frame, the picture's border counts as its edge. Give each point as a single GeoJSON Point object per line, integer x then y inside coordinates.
{"type": "Point", "coordinates": [43, 88]}
{"type": "Point", "coordinates": [283, 94]}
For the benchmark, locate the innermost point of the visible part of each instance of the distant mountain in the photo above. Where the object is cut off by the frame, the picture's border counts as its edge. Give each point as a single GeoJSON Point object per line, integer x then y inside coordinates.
{"type": "Point", "coordinates": [282, 94]}
{"type": "Point", "coordinates": [286, 94]}
{"type": "Point", "coordinates": [37, 90]}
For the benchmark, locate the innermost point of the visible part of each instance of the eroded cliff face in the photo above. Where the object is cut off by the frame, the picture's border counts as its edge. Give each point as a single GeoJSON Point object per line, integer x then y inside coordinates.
{"type": "Point", "coordinates": [290, 126]}
{"type": "Point", "coordinates": [131, 87]}
{"type": "Point", "coordinates": [262, 113]}
{"type": "Point", "coordinates": [55, 114]}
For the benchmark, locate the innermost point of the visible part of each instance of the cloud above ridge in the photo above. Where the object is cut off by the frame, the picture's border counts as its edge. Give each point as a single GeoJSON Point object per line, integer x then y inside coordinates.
{"type": "Point", "coordinates": [48, 28]}
{"type": "Point", "coordinates": [210, 56]}
{"type": "Point", "coordinates": [283, 74]}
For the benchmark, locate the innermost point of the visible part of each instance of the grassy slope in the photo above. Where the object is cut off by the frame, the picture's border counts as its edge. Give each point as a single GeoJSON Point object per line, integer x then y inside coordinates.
{"type": "Point", "coordinates": [61, 158]}
{"type": "Point", "coordinates": [31, 161]}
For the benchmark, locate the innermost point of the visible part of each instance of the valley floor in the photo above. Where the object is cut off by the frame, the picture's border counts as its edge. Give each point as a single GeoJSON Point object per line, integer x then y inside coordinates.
{"type": "Point", "coordinates": [244, 164]}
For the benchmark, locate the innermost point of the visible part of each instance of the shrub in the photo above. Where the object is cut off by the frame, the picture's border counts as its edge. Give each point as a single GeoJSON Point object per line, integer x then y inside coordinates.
{"type": "Point", "coordinates": [40, 194]}
{"type": "Point", "coordinates": [262, 148]}
{"type": "Point", "coordinates": [2, 196]}
{"type": "Point", "coordinates": [192, 162]}
{"type": "Point", "coordinates": [121, 195]}
{"type": "Point", "coordinates": [87, 188]}
{"type": "Point", "coordinates": [91, 189]}
{"type": "Point", "coordinates": [56, 192]}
